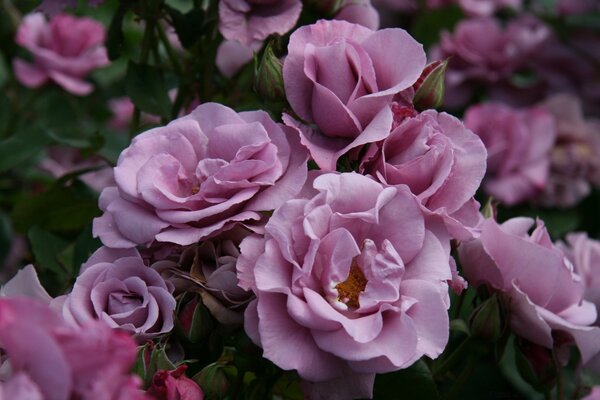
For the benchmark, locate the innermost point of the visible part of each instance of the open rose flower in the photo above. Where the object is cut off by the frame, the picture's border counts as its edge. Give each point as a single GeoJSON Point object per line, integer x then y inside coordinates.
{"type": "Point", "coordinates": [545, 294]}
{"type": "Point", "coordinates": [350, 282]}
{"type": "Point", "coordinates": [440, 160]}
{"type": "Point", "coordinates": [483, 53]}
{"type": "Point", "coordinates": [584, 254]}
{"type": "Point", "coordinates": [198, 176]}
{"type": "Point", "coordinates": [575, 157]}
{"type": "Point", "coordinates": [64, 51]}
{"type": "Point", "coordinates": [519, 144]}
{"type": "Point", "coordinates": [51, 360]}
{"type": "Point", "coordinates": [116, 287]}
{"type": "Point", "coordinates": [342, 77]}
{"type": "Point", "coordinates": [209, 268]}
{"type": "Point", "coordinates": [249, 22]}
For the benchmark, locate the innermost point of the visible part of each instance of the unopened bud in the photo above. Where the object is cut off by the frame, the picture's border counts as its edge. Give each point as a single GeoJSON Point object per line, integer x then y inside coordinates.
{"type": "Point", "coordinates": [268, 82]}
{"type": "Point", "coordinates": [213, 381]}
{"type": "Point", "coordinates": [487, 320]}
{"type": "Point", "coordinates": [429, 88]}
{"type": "Point", "coordinates": [194, 320]}
{"type": "Point", "coordinates": [536, 365]}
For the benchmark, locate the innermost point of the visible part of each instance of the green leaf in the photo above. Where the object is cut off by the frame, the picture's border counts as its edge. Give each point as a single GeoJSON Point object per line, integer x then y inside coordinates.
{"type": "Point", "coordinates": [146, 87]}
{"type": "Point", "coordinates": [46, 247]}
{"type": "Point", "coordinates": [23, 145]}
{"type": "Point", "coordinates": [189, 26]}
{"type": "Point", "coordinates": [114, 36]}
{"type": "Point", "coordinates": [84, 246]}
{"type": "Point", "coordinates": [5, 237]}
{"type": "Point", "coordinates": [414, 382]}
{"type": "Point", "coordinates": [60, 209]}
{"type": "Point", "coordinates": [427, 26]}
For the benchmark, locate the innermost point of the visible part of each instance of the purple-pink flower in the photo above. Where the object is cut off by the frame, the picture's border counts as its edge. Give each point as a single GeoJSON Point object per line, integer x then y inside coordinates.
{"type": "Point", "coordinates": [482, 52]}
{"type": "Point", "coordinates": [519, 145]}
{"type": "Point", "coordinates": [64, 51]}
{"type": "Point", "coordinates": [249, 22]}
{"type": "Point", "coordinates": [115, 286]}
{"type": "Point", "coordinates": [584, 254]}
{"type": "Point", "coordinates": [174, 385]}
{"type": "Point", "coordinates": [53, 360]}
{"type": "Point", "coordinates": [350, 281]}
{"type": "Point", "coordinates": [545, 294]}
{"type": "Point", "coordinates": [440, 160]}
{"type": "Point", "coordinates": [200, 175]}
{"type": "Point", "coordinates": [343, 77]}
{"type": "Point", "coordinates": [575, 158]}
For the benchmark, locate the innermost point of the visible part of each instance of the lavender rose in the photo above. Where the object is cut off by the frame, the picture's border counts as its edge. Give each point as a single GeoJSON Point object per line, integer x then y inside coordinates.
{"type": "Point", "coordinates": [519, 143]}
{"type": "Point", "coordinates": [350, 282]}
{"type": "Point", "coordinates": [584, 254]}
{"type": "Point", "coordinates": [575, 157]}
{"type": "Point", "coordinates": [249, 22]}
{"type": "Point", "coordinates": [64, 50]}
{"type": "Point", "coordinates": [545, 294]}
{"type": "Point", "coordinates": [198, 176]}
{"type": "Point", "coordinates": [440, 160]}
{"type": "Point", "coordinates": [51, 360]}
{"type": "Point", "coordinates": [116, 287]}
{"type": "Point", "coordinates": [482, 52]}
{"type": "Point", "coordinates": [343, 77]}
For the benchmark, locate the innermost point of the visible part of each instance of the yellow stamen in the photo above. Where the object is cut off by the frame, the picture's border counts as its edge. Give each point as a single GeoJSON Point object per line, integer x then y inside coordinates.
{"type": "Point", "coordinates": [350, 289]}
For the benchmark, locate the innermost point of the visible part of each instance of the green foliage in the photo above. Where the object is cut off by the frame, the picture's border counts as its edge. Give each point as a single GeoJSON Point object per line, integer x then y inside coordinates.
{"type": "Point", "coordinates": [146, 87]}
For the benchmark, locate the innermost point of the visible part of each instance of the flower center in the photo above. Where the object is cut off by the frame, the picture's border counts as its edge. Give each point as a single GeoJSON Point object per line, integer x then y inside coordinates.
{"type": "Point", "coordinates": [350, 289]}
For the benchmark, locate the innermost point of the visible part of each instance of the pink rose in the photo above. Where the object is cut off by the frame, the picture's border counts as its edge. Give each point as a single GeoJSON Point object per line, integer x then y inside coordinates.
{"type": "Point", "coordinates": [174, 385]}
{"type": "Point", "coordinates": [518, 144]}
{"type": "Point", "coordinates": [63, 160]}
{"type": "Point", "coordinates": [251, 21]}
{"type": "Point", "coordinates": [116, 287]}
{"type": "Point", "coordinates": [343, 77]}
{"type": "Point", "coordinates": [577, 7]}
{"type": "Point", "coordinates": [64, 50]}
{"type": "Point", "coordinates": [359, 12]}
{"type": "Point", "coordinates": [209, 269]}
{"type": "Point", "coordinates": [350, 282]}
{"type": "Point", "coordinates": [544, 293]}
{"type": "Point", "coordinates": [488, 7]}
{"type": "Point", "coordinates": [575, 159]}
{"type": "Point", "coordinates": [584, 254]}
{"type": "Point", "coordinates": [440, 160]}
{"type": "Point", "coordinates": [200, 175]}
{"type": "Point", "coordinates": [55, 361]}
{"type": "Point", "coordinates": [482, 52]}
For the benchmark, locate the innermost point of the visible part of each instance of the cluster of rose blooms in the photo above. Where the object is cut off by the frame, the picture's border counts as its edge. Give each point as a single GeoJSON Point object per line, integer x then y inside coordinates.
{"type": "Point", "coordinates": [340, 271]}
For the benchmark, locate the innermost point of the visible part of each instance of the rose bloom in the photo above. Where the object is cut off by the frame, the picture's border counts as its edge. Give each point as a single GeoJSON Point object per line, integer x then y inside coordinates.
{"type": "Point", "coordinates": [116, 287]}
{"type": "Point", "coordinates": [575, 158]}
{"type": "Point", "coordinates": [64, 51]}
{"type": "Point", "coordinates": [584, 254]}
{"type": "Point", "coordinates": [358, 12]}
{"type": "Point", "coordinates": [51, 360]}
{"type": "Point", "coordinates": [343, 77]}
{"type": "Point", "coordinates": [519, 145]}
{"type": "Point", "coordinates": [200, 175]}
{"type": "Point", "coordinates": [174, 385]}
{"type": "Point", "coordinates": [209, 268]}
{"type": "Point", "coordinates": [545, 294]}
{"type": "Point", "coordinates": [249, 22]}
{"type": "Point", "coordinates": [440, 160]}
{"type": "Point", "coordinates": [350, 281]}
{"type": "Point", "coordinates": [483, 53]}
